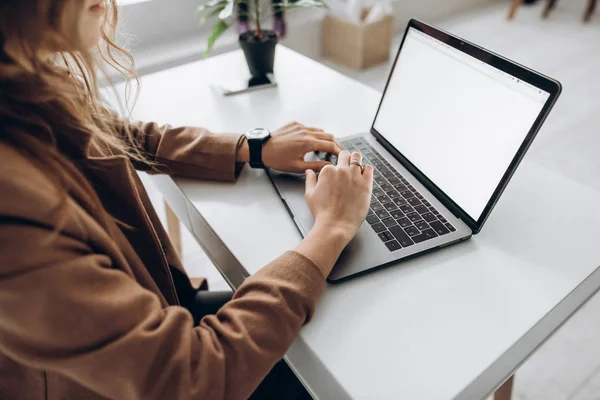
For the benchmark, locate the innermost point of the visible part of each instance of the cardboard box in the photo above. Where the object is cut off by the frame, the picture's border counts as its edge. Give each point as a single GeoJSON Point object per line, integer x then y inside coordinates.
{"type": "Point", "coordinates": [357, 46]}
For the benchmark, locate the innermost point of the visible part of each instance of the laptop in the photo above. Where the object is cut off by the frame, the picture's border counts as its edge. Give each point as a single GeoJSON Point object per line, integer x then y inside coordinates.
{"type": "Point", "coordinates": [453, 124]}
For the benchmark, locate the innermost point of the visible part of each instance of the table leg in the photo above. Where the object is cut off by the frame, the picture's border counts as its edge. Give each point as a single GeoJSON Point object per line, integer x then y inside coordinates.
{"type": "Point", "coordinates": [504, 392]}
{"type": "Point", "coordinates": [589, 11]}
{"type": "Point", "coordinates": [174, 228]}
{"type": "Point", "coordinates": [549, 7]}
{"type": "Point", "coordinates": [513, 8]}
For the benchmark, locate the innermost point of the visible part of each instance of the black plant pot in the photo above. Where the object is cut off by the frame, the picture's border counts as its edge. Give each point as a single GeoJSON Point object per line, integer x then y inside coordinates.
{"type": "Point", "coordinates": [259, 52]}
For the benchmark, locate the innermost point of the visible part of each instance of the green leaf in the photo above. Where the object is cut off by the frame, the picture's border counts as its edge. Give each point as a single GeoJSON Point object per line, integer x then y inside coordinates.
{"type": "Point", "coordinates": [227, 10]}
{"type": "Point", "coordinates": [211, 14]}
{"type": "Point", "coordinates": [303, 4]}
{"type": "Point", "coordinates": [211, 4]}
{"type": "Point", "coordinates": [219, 28]}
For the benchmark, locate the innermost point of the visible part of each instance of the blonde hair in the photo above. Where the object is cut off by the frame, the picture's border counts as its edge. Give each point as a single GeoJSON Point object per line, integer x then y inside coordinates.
{"type": "Point", "coordinates": [48, 103]}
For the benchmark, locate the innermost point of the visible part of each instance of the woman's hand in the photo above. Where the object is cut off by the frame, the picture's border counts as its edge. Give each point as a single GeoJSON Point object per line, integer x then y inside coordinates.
{"type": "Point", "coordinates": [339, 201]}
{"type": "Point", "coordinates": [287, 147]}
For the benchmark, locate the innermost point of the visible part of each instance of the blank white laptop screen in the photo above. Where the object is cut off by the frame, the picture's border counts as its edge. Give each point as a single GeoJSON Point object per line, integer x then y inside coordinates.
{"type": "Point", "coordinates": [458, 120]}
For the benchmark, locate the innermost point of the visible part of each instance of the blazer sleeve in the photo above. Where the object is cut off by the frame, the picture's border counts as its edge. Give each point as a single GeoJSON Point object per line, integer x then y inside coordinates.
{"type": "Point", "coordinates": [64, 309]}
{"type": "Point", "coordinates": [182, 151]}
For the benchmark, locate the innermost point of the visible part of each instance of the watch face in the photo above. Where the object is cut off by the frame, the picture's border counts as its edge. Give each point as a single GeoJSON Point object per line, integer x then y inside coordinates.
{"type": "Point", "coordinates": [258, 133]}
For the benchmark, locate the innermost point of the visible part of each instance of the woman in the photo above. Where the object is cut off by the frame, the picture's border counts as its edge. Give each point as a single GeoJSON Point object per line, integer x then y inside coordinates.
{"type": "Point", "coordinates": [94, 303]}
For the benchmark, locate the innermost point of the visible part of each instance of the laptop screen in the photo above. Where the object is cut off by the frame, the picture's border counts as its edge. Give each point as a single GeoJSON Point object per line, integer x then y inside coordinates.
{"type": "Point", "coordinates": [457, 119]}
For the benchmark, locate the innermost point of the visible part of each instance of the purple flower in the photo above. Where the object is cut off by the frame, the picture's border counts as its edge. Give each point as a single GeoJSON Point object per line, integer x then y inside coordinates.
{"type": "Point", "coordinates": [279, 25]}
{"type": "Point", "coordinates": [243, 26]}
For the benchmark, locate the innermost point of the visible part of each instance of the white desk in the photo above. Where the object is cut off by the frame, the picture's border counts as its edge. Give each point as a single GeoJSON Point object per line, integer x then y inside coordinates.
{"type": "Point", "coordinates": [452, 324]}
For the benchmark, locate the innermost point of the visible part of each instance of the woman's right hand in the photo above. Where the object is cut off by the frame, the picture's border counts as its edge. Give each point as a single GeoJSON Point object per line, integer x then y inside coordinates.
{"type": "Point", "coordinates": [339, 202]}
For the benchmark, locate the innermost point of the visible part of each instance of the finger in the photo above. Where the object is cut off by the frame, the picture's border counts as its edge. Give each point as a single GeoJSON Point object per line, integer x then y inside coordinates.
{"type": "Point", "coordinates": [316, 130]}
{"type": "Point", "coordinates": [289, 127]}
{"type": "Point", "coordinates": [343, 159]}
{"type": "Point", "coordinates": [330, 138]}
{"type": "Point", "coordinates": [324, 146]}
{"type": "Point", "coordinates": [321, 135]}
{"type": "Point", "coordinates": [356, 157]}
{"type": "Point", "coordinates": [311, 181]}
{"type": "Point", "coordinates": [368, 173]}
{"type": "Point", "coordinates": [313, 165]}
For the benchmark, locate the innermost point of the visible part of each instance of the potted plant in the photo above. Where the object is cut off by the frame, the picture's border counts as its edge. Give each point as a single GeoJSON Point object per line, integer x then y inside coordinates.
{"type": "Point", "coordinates": [257, 43]}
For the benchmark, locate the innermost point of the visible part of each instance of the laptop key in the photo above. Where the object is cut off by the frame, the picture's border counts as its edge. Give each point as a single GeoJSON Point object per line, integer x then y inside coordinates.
{"type": "Point", "coordinates": [393, 245]}
{"type": "Point", "coordinates": [421, 209]}
{"type": "Point", "coordinates": [382, 213]}
{"type": "Point", "coordinates": [404, 222]}
{"type": "Point", "coordinates": [422, 225]}
{"type": "Point", "coordinates": [397, 214]}
{"type": "Point", "coordinates": [425, 235]}
{"type": "Point", "coordinates": [383, 236]}
{"type": "Point", "coordinates": [389, 222]}
{"type": "Point", "coordinates": [386, 187]}
{"type": "Point", "coordinates": [378, 192]}
{"type": "Point", "coordinates": [413, 201]}
{"type": "Point", "coordinates": [450, 227]}
{"type": "Point", "coordinates": [390, 206]}
{"type": "Point", "coordinates": [400, 201]}
{"type": "Point", "coordinates": [376, 206]}
{"type": "Point", "coordinates": [406, 209]}
{"type": "Point", "coordinates": [411, 230]}
{"type": "Point", "coordinates": [384, 198]}
{"type": "Point", "coordinates": [394, 181]}
{"type": "Point", "coordinates": [372, 219]}
{"type": "Point", "coordinates": [401, 236]}
{"type": "Point", "coordinates": [388, 174]}
{"type": "Point", "coordinates": [380, 179]}
{"type": "Point", "coordinates": [407, 194]}
{"type": "Point", "coordinates": [393, 194]}
{"type": "Point", "coordinates": [442, 219]}
{"type": "Point", "coordinates": [371, 212]}
{"type": "Point", "coordinates": [439, 228]}
{"type": "Point", "coordinates": [400, 187]}
{"type": "Point", "coordinates": [429, 217]}
{"type": "Point", "coordinates": [414, 217]}
{"type": "Point", "coordinates": [378, 227]}
{"type": "Point", "coordinates": [426, 203]}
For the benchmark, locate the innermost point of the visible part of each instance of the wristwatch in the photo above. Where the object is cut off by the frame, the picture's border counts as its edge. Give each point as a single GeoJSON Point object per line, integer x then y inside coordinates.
{"type": "Point", "coordinates": [256, 139]}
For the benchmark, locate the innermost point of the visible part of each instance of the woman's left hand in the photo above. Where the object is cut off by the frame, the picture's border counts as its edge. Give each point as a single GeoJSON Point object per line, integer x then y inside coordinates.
{"type": "Point", "coordinates": [286, 148]}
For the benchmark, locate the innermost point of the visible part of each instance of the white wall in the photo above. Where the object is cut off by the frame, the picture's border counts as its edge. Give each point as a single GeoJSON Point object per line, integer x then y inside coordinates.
{"type": "Point", "coordinates": [164, 33]}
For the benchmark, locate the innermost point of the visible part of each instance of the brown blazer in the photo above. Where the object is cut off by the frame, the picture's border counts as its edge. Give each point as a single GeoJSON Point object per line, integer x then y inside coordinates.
{"type": "Point", "coordinates": [94, 312]}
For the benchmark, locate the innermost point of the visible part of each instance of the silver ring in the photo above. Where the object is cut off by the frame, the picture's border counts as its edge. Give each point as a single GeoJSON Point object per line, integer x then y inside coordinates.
{"type": "Point", "coordinates": [356, 162]}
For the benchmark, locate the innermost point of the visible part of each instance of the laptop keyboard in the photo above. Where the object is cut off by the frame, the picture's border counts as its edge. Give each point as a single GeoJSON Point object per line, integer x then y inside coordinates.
{"type": "Point", "coordinates": [398, 214]}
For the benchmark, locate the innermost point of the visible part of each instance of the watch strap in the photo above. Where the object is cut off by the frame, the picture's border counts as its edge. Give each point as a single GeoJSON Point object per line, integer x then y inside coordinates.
{"type": "Point", "coordinates": [255, 149]}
